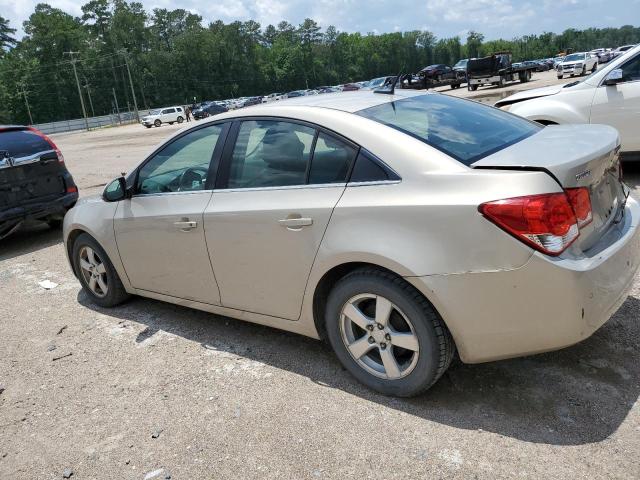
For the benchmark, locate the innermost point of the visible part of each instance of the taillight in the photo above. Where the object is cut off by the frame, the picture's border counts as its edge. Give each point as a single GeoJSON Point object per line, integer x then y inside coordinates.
{"type": "Point", "coordinates": [581, 204]}
{"type": "Point", "coordinates": [546, 222]}
{"type": "Point", "coordinates": [50, 142]}
{"type": "Point", "coordinates": [73, 189]}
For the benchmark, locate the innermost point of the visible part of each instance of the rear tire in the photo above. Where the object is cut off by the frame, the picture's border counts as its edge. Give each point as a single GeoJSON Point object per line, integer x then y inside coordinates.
{"type": "Point", "coordinates": [106, 289]}
{"type": "Point", "coordinates": [148, 126]}
{"type": "Point", "coordinates": [383, 364]}
{"type": "Point", "coordinates": [473, 88]}
{"type": "Point", "coordinates": [559, 77]}
{"type": "Point", "coordinates": [180, 119]}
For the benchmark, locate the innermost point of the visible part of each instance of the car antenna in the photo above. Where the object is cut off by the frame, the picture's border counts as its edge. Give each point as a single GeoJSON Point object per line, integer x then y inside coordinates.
{"type": "Point", "coordinates": [389, 89]}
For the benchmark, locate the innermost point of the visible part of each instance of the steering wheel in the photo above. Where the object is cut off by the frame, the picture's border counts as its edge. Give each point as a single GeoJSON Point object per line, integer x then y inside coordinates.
{"type": "Point", "coordinates": [191, 175]}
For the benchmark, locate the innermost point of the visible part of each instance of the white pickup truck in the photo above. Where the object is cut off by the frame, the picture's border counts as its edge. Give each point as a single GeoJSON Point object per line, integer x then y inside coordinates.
{"type": "Point", "coordinates": [577, 64]}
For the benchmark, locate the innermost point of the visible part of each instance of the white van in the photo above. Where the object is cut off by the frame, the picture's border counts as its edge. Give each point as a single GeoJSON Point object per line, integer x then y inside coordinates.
{"type": "Point", "coordinates": [168, 115]}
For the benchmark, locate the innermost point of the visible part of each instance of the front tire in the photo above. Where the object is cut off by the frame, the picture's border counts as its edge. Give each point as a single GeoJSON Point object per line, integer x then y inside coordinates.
{"type": "Point", "coordinates": [386, 333]}
{"type": "Point", "coordinates": [584, 71]}
{"type": "Point", "coordinates": [559, 77]}
{"type": "Point", "coordinates": [157, 123]}
{"type": "Point", "coordinates": [96, 273]}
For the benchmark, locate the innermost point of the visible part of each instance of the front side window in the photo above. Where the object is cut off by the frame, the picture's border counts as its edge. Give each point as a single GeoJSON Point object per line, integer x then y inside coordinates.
{"type": "Point", "coordinates": [181, 166]}
{"type": "Point", "coordinates": [464, 130]}
{"type": "Point", "coordinates": [270, 153]}
{"type": "Point", "coordinates": [631, 70]}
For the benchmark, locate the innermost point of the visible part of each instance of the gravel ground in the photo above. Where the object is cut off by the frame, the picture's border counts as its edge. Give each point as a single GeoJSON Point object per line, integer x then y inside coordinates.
{"type": "Point", "coordinates": [152, 390]}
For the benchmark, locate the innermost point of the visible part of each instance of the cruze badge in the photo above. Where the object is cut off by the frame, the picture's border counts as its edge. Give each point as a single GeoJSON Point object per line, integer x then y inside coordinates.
{"type": "Point", "coordinates": [585, 174]}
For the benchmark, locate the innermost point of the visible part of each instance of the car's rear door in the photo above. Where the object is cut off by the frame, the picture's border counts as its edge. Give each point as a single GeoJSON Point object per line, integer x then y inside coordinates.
{"type": "Point", "coordinates": [168, 115]}
{"type": "Point", "coordinates": [619, 105]}
{"type": "Point", "coordinates": [160, 230]}
{"type": "Point", "coordinates": [277, 187]}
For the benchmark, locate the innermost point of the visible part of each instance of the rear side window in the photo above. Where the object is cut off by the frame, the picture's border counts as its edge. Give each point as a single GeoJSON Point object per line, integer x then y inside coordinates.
{"type": "Point", "coordinates": [270, 153]}
{"type": "Point", "coordinates": [369, 169]}
{"type": "Point", "coordinates": [22, 143]}
{"type": "Point", "coordinates": [331, 160]}
{"type": "Point", "coordinates": [464, 130]}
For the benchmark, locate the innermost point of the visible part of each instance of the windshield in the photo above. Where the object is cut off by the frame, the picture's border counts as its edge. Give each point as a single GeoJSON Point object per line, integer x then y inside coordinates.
{"type": "Point", "coordinates": [574, 57]}
{"type": "Point", "coordinates": [376, 82]}
{"type": "Point", "coordinates": [461, 63]}
{"type": "Point", "coordinates": [154, 112]}
{"type": "Point", "coordinates": [465, 130]}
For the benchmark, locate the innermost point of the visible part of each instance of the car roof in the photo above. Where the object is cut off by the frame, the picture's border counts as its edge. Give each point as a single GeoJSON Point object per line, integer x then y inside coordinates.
{"type": "Point", "coordinates": [344, 101]}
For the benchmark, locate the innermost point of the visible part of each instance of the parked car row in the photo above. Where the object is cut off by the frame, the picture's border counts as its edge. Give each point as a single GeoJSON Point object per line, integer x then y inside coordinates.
{"type": "Point", "coordinates": [610, 96]}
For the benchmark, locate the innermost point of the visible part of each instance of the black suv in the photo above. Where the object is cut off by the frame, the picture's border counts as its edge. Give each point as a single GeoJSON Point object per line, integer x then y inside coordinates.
{"type": "Point", "coordinates": [209, 109]}
{"type": "Point", "coordinates": [34, 182]}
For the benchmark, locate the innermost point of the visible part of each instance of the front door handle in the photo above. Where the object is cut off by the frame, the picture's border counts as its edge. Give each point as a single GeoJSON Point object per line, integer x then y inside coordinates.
{"type": "Point", "coordinates": [298, 222]}
{"type": "Point", "coordinates": [185, 225]}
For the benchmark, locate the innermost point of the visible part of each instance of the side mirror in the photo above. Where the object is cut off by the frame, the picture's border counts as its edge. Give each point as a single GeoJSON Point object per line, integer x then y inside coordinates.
{"type": "Point", "coordinates": [613, 77]}
{"type": "Point", "coordinates": [116, 190]}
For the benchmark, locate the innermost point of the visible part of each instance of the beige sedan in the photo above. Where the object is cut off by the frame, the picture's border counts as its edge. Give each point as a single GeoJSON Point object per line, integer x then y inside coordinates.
{"type": "Point", "coordinates": [401, 227]}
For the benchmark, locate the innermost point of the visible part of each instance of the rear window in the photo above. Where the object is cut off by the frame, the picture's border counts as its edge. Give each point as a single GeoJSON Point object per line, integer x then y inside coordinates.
{"type": "Point", "coordinates": [465, 130]}
{"type": "Point", "coordinates": [22, 143]}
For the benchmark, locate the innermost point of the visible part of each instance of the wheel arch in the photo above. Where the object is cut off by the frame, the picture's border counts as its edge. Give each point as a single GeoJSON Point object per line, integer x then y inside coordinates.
{"type": "Point", "coordinates": [334, 274]}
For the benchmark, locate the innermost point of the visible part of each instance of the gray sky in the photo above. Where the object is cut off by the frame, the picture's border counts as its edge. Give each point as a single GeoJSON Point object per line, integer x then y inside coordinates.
{"type": "Point", "coordinates": [494, 18]}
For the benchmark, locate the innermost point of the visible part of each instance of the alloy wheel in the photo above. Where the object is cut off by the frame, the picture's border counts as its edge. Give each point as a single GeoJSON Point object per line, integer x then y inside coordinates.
{"type": "Point", "coordinates": [379, 336]}
{"type": "Point", "coordinates": [93, 272]}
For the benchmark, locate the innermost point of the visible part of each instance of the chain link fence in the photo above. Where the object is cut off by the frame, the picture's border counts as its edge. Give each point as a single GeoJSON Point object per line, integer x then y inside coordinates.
{"type": "Point", "coordinates": [94, 122]}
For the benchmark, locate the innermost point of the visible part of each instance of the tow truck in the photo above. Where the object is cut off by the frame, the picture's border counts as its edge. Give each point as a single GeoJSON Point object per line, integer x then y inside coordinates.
{"type": "Point", "coordinates": [496, 69]}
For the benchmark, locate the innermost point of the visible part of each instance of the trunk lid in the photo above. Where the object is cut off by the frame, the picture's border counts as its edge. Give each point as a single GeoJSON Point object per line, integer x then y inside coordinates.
{"type": "Point", "coordinates": [575, 156]}
{"type": "Point", "coordinates": [30, 169]}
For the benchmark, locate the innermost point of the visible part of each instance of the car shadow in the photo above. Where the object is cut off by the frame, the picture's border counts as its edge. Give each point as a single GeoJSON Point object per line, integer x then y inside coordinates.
{"type": "Point", "coordinates": [571, 397]}
{"type": "Point", "coordinates": [632, 174]}
{"type": "Point", "coordinates": [28, 239]}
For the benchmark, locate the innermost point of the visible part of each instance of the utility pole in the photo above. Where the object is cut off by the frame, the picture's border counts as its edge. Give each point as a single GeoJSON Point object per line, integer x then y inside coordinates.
{"type": "Point", "coordinates": [86, 85]}
{"type": "Point", "coordinates": [26, 102]}
{"type": "Point", "coordinates": [133, 93]}
{"type": "Point", "coordinates": [75, 73]}
{"type": "Point", "coordinates": [115, 99]}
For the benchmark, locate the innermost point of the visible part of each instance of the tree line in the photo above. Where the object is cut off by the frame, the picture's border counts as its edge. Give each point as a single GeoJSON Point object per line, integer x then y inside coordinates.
{"type": "Point", "coordinates": [173, 57]}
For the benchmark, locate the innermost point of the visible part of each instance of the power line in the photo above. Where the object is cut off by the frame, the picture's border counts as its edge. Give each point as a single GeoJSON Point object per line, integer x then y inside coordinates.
{"type": "Point", "coordinates": [73, 64]}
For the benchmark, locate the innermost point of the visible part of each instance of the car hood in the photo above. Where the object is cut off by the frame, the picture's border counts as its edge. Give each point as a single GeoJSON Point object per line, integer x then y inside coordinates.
{"type": "Point", "coordinates": [529, 94]}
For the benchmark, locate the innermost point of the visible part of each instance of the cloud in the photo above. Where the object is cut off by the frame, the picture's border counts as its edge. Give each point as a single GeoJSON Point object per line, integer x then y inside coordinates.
{"type": "Point", "coordinates": [493, 18]}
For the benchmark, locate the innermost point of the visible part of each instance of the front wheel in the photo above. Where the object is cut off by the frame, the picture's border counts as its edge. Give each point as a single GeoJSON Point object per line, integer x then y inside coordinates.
{"type": "Point", "coordinates": [594, 68]}
{"type": "Point", "coordinates": [96, 273]}
{"type": "Point", "coordinates": [387, 334]}
{"type": "Point", "coordinates": [559, 77]}
{"type": "Point", "coordinates": [157, 123]}
{"type": "Point", "coordinates": [584, 70]}
{"type": "Point", "coordinates": [473, 88]}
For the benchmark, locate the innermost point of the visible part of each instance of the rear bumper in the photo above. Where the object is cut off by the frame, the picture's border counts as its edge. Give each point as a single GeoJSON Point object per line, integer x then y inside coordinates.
{"type": "Point", "coordinates": [37, 209]}
{"type": "Point", "coordinates": [547, 304]}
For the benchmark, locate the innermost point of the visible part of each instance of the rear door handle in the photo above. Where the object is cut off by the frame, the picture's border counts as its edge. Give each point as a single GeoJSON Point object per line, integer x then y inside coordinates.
{"type": "Point", "coordinates": [295, 222]}
{"type": "Point", "coordinates": [186, 225]}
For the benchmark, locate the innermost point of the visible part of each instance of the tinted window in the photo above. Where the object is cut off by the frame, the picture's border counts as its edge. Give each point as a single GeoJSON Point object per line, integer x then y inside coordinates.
{"type": "Point", "coordinates": [369, 169]}
{"type": "Point", "coordinates": [270, 154]}
{"type": "Point", "coordinates": [169, 110]}
{"type": "Point", "coordinates": [631, 70]}
{"type": "Point", "coordinates": [22, 143]}
{"type": "Point", "coordinates": [463, 129]}
{"type": "Point", "coordinates": [181, 166]}
{"type": "Point", "coordinates": [331, 160]}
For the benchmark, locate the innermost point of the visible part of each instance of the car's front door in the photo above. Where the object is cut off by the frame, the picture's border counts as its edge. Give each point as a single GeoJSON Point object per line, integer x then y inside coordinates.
{"type": "Point", "coordinates": [619, 105]}
{"type": "Point", "coordinates": [279, 183]}
{"type": "Point", "coordinates": [160, 231]}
